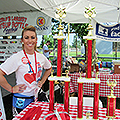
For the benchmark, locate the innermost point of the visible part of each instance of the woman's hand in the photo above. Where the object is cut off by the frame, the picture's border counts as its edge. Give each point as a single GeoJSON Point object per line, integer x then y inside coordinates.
{"type": "Point", "coordinates": [19, 88]}
{"type": "Point", "coordinates": [39, 84]}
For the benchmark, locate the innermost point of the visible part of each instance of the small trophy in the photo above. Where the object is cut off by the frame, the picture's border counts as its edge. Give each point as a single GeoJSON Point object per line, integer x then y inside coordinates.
{"type": "Point", "coordinates": [112, 84]}
{"type": "Point", "coordinates": [111, 100]}
{"type": "Point", "coordinates": [96, 75]}
{"type": "Point", "coordinates": [80, 75]}
{"type": "Point", "coordinates": [88, 114]}
{"type": "Point", "coordinates": [67, 71]}
{"type": "Point", "coordinates": [52, 73]}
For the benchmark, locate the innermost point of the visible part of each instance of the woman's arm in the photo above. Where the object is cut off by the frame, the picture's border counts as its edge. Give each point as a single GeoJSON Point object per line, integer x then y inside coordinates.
{"type": "Point", "coordinates": [45, 76]}
{"type": "Point", "coordinates": [16, 89]}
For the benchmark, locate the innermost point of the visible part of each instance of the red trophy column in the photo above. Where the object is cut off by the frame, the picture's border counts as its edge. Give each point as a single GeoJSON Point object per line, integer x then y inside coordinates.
{"type": "Point", "coordinates": [111, 106]}
{"type": "Point", "coordinates": [89, 59]}
{"type": "Point", "coordinates": [51, 104]}
{"type": "Point", "coordinates": [96, 101]}
{"type": "Point", "coordinates": [80, 100]}
{"type": "Point", "coordinates": [59, 57]}
{"type": "Point", "coordinates": [111, 100]}
{"type": "Point", "coordinates": [66, 99]}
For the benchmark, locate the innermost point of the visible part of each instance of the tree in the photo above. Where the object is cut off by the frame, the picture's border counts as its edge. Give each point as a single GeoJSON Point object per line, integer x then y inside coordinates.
{"type": "Point", "coordinates": [74, 42]}
{"type": "Point", "coordinates": [80, 31]}
{"type": "Point", "coordinates": [55, 30]}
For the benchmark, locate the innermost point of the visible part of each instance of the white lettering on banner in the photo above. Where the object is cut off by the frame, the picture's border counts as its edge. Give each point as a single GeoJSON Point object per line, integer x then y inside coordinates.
{"type": "Point", "coordinates": [107, 32]}
{"type": "Point", "coordinates": [115, 32]}
{"type": "Point", "coordinates": [108, 39]}
{"type": "Point", "coordinates": [102, 31]}
{"type": "Point", "coordinates": [115, 28]}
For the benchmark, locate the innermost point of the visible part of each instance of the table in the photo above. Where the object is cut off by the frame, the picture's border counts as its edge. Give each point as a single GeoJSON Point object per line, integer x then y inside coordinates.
{"type": "Point", "coordinates": [89, 87]}
{"type": "Point", "coordinates": [72, 111]}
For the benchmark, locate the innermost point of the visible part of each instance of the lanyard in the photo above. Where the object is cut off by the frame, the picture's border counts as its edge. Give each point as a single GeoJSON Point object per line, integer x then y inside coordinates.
{"type": "Point", "coordinates": [31, 65]}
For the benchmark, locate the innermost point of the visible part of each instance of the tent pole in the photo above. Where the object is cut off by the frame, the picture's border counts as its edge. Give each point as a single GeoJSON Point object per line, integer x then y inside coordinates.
{"type": "Point", "coordinates": [68, 37]}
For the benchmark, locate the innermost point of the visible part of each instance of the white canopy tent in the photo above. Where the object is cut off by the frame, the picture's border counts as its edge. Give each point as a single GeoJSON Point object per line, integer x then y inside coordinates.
{"type": "Point", "coordinates": [17, 14]}
{"type": "Point", "coordinates": [107, 10]}
{"type": "Point", "coordinates": [15, 6]}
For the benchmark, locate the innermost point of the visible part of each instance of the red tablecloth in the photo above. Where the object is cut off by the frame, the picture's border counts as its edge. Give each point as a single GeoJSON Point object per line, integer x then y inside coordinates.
{"type": "Point", "coordinates": [72, 111]}
{"type": "Point", "coordinates": [89, 87]}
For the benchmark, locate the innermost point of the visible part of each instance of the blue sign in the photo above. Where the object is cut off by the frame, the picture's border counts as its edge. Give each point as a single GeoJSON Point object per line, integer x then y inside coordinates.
{"type": "Point", "coordinates": [108, 33]}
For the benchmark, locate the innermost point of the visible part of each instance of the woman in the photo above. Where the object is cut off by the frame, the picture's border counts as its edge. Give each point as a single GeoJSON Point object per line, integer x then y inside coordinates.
{"type": "Point", "coordinates": [28, 65]}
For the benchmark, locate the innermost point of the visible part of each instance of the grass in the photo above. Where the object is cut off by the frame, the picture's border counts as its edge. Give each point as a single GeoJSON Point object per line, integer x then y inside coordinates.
{"type": "Point", "coordinates": [100, 55]}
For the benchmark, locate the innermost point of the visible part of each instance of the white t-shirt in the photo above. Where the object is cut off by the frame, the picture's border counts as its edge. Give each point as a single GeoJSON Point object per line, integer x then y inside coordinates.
{"type": "Point", "coordinates": [45, 47]}
{"type": "Point", "coordinates": [24, 75]}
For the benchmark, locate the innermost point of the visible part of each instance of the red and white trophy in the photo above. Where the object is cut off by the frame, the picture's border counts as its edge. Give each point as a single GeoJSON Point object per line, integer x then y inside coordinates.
{"type": "Point", "coordinates": [111, 100]}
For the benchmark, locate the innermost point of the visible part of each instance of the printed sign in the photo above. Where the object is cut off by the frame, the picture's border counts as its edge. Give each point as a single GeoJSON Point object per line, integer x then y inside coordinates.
{"type": "Point", "coordinates": [14, 23]}
{"type": "Point", "coordinates": [108, 32]}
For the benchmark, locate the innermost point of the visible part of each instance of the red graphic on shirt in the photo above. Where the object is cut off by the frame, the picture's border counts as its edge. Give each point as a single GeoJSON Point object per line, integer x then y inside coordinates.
{"type": "Point", "coordinates": [38, 63]}
{"type": "Point", "coordinates": [24, 60]}
{"type": "Point", "coordinates": [29, 77]}
{"type": "Point", "coordinates": [0, 114]}
{"type": "Point", "coordinates": [39, 69]}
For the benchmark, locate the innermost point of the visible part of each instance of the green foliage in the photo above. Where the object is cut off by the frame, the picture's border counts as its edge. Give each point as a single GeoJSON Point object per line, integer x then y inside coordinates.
{"type": "Point", "coordinates": [74, 42]}
{"type": "Point", "coordinates": [80, 29]}
{"type": "Point", "coordinates": [55, 25]}
{"type": "Point", "coordinates": [45, 39]}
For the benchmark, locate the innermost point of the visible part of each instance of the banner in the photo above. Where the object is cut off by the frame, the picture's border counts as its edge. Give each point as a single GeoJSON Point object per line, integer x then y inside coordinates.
{"type": "Point", "coordinates": [12, 24]}
{"type": "Point", "coordinates": [108, 32]}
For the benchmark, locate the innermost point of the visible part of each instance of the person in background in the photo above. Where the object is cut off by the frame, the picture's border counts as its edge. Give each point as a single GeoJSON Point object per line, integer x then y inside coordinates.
{"type": "Point", "coordinates": [96, 53]}
{"type": "Point", "coordinates": [46, 50]}
{"type": "Point", "coordinates": [27, 65]}
{"type": "Point", "coordinates": [46, 53]}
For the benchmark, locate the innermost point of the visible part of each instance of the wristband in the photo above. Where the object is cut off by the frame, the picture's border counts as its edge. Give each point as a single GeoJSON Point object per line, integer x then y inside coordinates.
{"type": "Point", "coordinates": [12, 89]}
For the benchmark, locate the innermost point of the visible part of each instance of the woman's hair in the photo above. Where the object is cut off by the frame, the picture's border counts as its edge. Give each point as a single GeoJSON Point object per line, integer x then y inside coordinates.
{"type": "Point", "coordinates": [29, 28]}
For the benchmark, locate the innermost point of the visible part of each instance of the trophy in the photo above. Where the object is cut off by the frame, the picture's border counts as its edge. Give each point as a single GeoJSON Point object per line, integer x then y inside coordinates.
{"type": "Point", "coordinates": [111, 100]}
{"type": "Point", "coordinates": [52, 73]}
{"type": "Point", "coordinates": [112, 84]}
{"type": "Point", "coordinates": [67, 71]}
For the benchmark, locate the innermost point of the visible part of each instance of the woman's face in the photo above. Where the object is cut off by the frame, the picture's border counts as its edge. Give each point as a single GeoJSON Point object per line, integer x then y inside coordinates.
{"type": "Point", "coordinates": [29, 40]}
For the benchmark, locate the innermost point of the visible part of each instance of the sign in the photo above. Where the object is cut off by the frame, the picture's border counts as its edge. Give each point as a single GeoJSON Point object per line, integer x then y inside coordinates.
{"type": "Point", "coordinates": [108, 32]}
{"type": "Point", "coordinates": [9, 47]}
{"type": "Point", "coordinates": [12, 24]}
